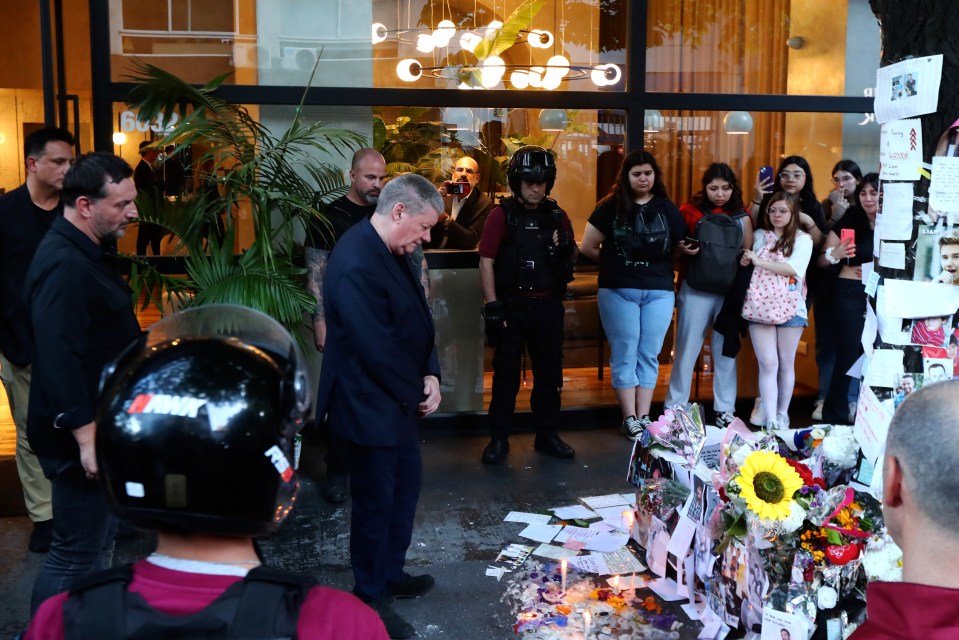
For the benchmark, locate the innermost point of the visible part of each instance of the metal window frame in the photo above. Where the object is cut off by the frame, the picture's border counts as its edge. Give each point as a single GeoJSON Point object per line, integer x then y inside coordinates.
{"type": "Point", "coordinates": [634, 101]}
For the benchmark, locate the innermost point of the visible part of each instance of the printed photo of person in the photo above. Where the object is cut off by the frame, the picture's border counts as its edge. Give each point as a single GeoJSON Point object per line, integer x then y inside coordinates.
{"type": "Point", "coordinates": [697, 505]}
{"type": "Point", "coordinates": [936, 370]}
{"type": "Point", "coordinates": [948, 258]}
{"type": "Point", "coordinates": [930, 332]}
{"type": "Point", "coordinates": [703, 558]}
{"type": "Point", "coordinates": [910, 84]}
{"type": "Point", "coordinates": [905, 386]}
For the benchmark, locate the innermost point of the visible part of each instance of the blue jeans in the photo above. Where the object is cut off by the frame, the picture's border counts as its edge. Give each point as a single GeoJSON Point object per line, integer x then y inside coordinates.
{"type": "Point", "coordinates": [636, 322]}
{"type": "Point", "coordinates": [83, 529]}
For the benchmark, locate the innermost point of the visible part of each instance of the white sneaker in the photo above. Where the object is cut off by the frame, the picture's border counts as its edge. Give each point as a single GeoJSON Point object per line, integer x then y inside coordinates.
{"type": "Point", "coordinates": [723, 419]}
{"type": "Point", "coordinates": [782, 421]}
{"type": "Point", "coordinates": [758, 416]}
{"type": "Point", "coordinates": [817, 410]}
{"type": "Point", "coordinates": [852, 412]}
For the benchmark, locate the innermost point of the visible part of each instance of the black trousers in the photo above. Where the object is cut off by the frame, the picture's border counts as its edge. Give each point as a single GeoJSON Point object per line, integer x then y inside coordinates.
{"type": "Point", "coordinates": [149, 234]}
{"type": "Point", "coordinates": [537, 325]}
{"type": "Point", "coordinates": [848, 314]}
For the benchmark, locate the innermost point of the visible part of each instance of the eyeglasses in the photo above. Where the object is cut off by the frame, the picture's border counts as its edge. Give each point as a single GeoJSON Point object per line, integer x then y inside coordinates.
{"type": "Point", "coordinates": [779, 210]}
{"type": "Point", "coordinates": [464, 170]}
{"type": "Point", "coordinates": [796, 175]}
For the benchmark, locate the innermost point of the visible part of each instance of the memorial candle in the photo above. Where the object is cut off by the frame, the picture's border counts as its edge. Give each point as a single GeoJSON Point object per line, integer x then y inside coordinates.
{"type": "Point", "coordinates": [562, 570]}
{"type": "Point", "coordinates": [615, 584]}
{"type": "Point", "coordinates": [628, 521]}
{"type": "Point", "coordinates": [587, 621]}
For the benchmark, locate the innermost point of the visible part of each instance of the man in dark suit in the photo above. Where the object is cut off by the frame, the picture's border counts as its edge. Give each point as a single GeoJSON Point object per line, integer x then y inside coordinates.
{"type": "Point", "coordinates": [461, 223]}
{"type": "Point", "coordinates": [380, 375]}
{"type": "Point", "coordinates": [148, 183]}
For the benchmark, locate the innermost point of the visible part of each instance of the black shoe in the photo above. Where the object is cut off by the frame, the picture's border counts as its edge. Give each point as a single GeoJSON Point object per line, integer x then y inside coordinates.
{"type": "Point", "coordinates": [495, 451]}
{"type": "Point", "coordinates": [41, 536]}
{"type": "Point", "coordinates": [551, 445]}
{"type": "Point", "coordinates": [396, 626]}
{"type": "Point", "coordinates": [410, 586]}
{"type": "Point", "coordinates": [334, 491]}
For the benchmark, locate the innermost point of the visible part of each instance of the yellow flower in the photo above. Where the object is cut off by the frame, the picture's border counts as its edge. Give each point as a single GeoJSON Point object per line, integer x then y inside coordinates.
{"type": "Point", "coordinates": [767, 484]}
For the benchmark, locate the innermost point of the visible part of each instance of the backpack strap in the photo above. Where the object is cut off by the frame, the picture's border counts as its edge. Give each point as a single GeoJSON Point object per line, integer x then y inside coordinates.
{"type": "Point", "coordinates": [270, 604]}
{"type": "Point", "coordinates": [96, 605]}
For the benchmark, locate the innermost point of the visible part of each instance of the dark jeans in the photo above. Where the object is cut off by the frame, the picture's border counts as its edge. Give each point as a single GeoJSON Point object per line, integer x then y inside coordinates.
{"type": "Point", "coordinates": [537, 324]}
{"type": "Point", "coordinates": [83, 529]}
{"type": "Point", "coordinates": [385, 484]}
{"type": "Point", "coordinates": [848, 315]}
{"type": "Point", "coordinates": [825, 342]}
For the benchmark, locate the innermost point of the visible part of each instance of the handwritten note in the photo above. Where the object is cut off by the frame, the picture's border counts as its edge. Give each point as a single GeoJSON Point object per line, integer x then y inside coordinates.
{"type": "Point", "coordinates": [896, 222]}
{"type": "Point", "coordinates": [872, 424]}
{"type": "Point", "coordinates": [892, 255]}
{"type": "Point", "coordinates": [908, 88]}
{"type": "Point", "coordinates": [944, 187]}
{"type": "Point", "coordinates": [884, 368]}
{"type": "Point", "coordinates": [611, 500]}
{"type": "Point", "coordinates": [529, 518]}
{"type": "Point", "coordinates": [900, 150]}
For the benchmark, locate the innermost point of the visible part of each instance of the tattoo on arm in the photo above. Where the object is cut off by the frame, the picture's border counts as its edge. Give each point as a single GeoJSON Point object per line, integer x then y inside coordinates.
{"type": "Point", "coordinates": [316, 260]}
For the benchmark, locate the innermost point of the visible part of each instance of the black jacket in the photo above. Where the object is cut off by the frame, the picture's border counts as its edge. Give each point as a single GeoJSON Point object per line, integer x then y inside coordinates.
{"type": "Point", "coordinates": [81, 318]}
{"type": "Point", "coordinates": [22, 227]}
{"type": "Point", "coordinates": [466, 230]}
{"type": "Point", "coordinates": [729, 322]}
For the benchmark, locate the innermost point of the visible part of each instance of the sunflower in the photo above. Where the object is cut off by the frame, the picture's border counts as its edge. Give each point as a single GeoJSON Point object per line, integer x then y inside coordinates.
{"type": "Point", "coordinates": [767, 484]}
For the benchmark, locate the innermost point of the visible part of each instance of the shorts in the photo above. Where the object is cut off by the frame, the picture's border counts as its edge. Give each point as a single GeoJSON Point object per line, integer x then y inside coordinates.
{"type": "Point", "coordinates": [796, 321]}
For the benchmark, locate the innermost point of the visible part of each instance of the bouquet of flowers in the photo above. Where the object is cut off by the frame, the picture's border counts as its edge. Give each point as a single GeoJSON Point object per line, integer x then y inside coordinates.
{"type": "Point", "coordinates": [681, 430]}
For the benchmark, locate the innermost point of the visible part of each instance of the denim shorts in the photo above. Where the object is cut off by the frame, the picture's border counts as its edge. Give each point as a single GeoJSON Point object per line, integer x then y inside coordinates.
{"type": "Point", "coordinates": [796, 321]}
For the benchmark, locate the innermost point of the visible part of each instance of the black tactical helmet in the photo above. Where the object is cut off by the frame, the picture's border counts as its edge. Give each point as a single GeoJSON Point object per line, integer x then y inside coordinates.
{"type": "Point", "coordinates": [196, 424]}
{"type": "Point", "coordinates": [533, 164]}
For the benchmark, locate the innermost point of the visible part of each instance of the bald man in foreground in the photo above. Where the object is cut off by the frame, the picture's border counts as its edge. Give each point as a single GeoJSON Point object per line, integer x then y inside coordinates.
{"type": "Point", "coordinates": [921, 511]}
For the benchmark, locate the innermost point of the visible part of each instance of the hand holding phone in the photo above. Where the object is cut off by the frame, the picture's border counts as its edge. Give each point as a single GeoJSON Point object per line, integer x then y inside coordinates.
{"type": "Point", "coordinates": [847, 238]}
{"type": "Point", "coordinates": [457, 188]}
{"type": "Point", "coordinates": [765, 174]}
{"type": "Point", "coordinates": [692, 243]}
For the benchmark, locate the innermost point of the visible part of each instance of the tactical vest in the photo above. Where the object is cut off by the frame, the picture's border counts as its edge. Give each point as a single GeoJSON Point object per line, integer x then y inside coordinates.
{"type": "Point", "coordinates": [265, 604]}
{"type": "Point", "coordinates": [528, 260]}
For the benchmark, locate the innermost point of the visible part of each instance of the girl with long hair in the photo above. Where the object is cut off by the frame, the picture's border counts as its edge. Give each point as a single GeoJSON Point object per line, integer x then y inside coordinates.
{"type": "Point", "coordinates": [632, 234]}
{"type": "Point", "coordinates": [775, 345]}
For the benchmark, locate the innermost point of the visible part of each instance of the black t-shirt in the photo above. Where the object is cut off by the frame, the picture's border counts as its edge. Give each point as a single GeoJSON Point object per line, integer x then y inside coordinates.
{"type": "Point", "coordinates": [341, 214]}
{"type": "Point", "coordinates": [857, 220]}
{"type": "Point", "coordinates": [614, 272]}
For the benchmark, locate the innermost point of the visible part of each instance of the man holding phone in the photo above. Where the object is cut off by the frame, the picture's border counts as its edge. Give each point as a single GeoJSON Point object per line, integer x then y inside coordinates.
{"type": "Point", "coordinates": [465, 209]}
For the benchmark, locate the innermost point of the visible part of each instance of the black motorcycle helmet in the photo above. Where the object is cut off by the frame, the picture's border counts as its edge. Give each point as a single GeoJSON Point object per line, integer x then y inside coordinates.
{"type": "Point", "coordinates": [196, 424]}
{"type": "Point", "coordinates": [533, 164]}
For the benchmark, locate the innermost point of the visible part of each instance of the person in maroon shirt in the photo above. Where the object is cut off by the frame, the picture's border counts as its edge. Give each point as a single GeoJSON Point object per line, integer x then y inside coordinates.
{"type": "Point", "coordinates": [922, 515]}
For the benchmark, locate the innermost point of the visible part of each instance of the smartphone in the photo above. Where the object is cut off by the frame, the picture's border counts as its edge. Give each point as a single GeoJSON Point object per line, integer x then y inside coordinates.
{"type": "Point", "coordinates": [458, 188]}
{"type": "Point", "coordinates": [765, 173]}
{"type": "Point", "coordinates": [691, 242]}
{"type": "Point", "coordinates": [848, 236]}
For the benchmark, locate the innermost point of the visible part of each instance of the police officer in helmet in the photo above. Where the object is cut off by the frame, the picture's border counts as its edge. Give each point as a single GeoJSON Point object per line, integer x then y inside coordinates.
{"type": "Point", "coordinates": [526, 260]}
{"type": "Point", "coordinates": [195, 440]}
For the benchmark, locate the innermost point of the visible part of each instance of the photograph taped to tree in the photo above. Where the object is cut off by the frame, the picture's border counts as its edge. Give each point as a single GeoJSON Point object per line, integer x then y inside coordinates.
{"type": "Point", "coordinates": [930, 332]}
{"type": "Point", "coordinates": [937, 369]}
{"type": "Point", "coordinates": [937, 254]}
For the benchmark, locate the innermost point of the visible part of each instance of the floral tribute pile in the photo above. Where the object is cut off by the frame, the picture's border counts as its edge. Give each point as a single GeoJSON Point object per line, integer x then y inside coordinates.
{"type": "Point", "coordinates": [786, 527]}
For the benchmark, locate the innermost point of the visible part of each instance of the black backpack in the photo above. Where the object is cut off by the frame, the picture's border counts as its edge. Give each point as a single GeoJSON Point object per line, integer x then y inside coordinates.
{"type": "Point", "coordinates": [648, 237]}
{"type": "Point", "coordinates": [720, 237]}
{"type": "Point", "coordinates": [263, 605]}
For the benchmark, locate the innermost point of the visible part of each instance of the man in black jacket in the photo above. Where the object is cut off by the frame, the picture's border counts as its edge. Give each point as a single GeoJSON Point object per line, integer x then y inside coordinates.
{"type": "Point", "coordinates": [461, 223]}
{"type": "Point", "coordinates": [80, 314]}
{"type": "Point", "coordinates": [25, 216]}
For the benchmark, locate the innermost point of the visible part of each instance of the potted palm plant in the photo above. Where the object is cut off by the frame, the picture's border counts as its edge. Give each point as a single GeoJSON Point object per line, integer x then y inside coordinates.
{"type": "Point", "coordinates": [274, 183]}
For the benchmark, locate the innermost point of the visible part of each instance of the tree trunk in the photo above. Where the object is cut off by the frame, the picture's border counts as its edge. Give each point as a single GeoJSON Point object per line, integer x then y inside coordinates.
{"type": "Point", "coordinates": [916, 28]}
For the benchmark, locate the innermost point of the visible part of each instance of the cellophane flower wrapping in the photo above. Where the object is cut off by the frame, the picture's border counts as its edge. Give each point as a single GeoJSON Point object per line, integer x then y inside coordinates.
{"type": "Point", "coordinates": [681, 430]}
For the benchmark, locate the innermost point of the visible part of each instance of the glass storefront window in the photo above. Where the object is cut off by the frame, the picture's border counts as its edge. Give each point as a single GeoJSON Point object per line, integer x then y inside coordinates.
{"type": "Point", "coordinates": [821, 47]}
{"type": "Point", "coordinates": [687, 142]}
{"type": "Point", "coordinates": [426, 44]}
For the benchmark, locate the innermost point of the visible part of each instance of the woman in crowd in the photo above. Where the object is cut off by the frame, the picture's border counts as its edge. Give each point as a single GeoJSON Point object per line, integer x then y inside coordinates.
{"type": "Point", "coordinates": [847, 305]}
{"type": "Point", "coordinates": [775, 344]}
{"type": "Point", "coordinates": [846, 177]}
{"type": "Point", "coordinates": [632, 234]}
{"type": "Point", "coordinates": [794, 176]}
{"type": "Point", "coordinates": [720, 194]}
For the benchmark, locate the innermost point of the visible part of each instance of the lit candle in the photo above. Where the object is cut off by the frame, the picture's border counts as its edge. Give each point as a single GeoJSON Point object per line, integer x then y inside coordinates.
{"type": "Point", "coordinates": [587, 622]}
{"type": "Point", "coordinates": [562, 570]}
{"type": "Point", "coordinates": [628, 521]}
{"type": "Point", "coordinates": [615, 583]}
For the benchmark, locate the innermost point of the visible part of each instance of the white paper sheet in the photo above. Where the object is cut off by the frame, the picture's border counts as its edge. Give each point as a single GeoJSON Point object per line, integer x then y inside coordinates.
{"type": "Point", "coordinates": [575, 533]}
{"type": "Point", "coordinates": [607, 542]}
{"type": "Point", "coordinates": [909, 299]}
{"type": "Point", "coordinates": [872, 423]}
{"type": "Point", "coordinates": [944, 187]}
{"type": "Point", "coordinates": [682, 537]}
{"type": "Point", "coordinates": [890, 326]}
{"type": "Point", "coordinates": [529, 518]}
{"type": "Point", "coordinates": [541, 532]}
{"type": "Point", "coordinates": [575, 511]}
{"type": "Point", "coordinates": [870, 279]}
{"type": "Point", "coordinates": [908, 88]}
{"type": "Point", "coordinates": [591, 563]}
{"type": "Point", "coordinates": [884, 368]}
{"type": "Point", "coordinates": [613, 513]}
{"type": "Point", "coordinates": [774, 622]}
{"type": "Point", "coordinates": [598, 502]}
{"type": "Point", "coordinates": [900, 150]}
{"type": "Point", "coordinates": [666, 589]}
{"type": "Point", "coordinates": [553, 552]}
{"type": "Point", "coordinates": [623, 561]}
{"type": "Point", "coordinates": [896, 211]}
{"type": "Point", "coordinates": [892, 255]}
{"type": "Point", "coordinates": [870, 330]}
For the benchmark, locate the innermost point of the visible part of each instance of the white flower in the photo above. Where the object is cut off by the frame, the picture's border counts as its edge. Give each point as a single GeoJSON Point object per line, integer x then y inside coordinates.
{"type": "Point", "coordinates": [740, 455]}
{"type": "Point", "coordinates": [794, 520]}
{"type": "Point", "coordinates": [827, 597]}
{"type": "Point", "coordinates": [883, 560]}
{"type": "Point", "coordinates": [840, 447]}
